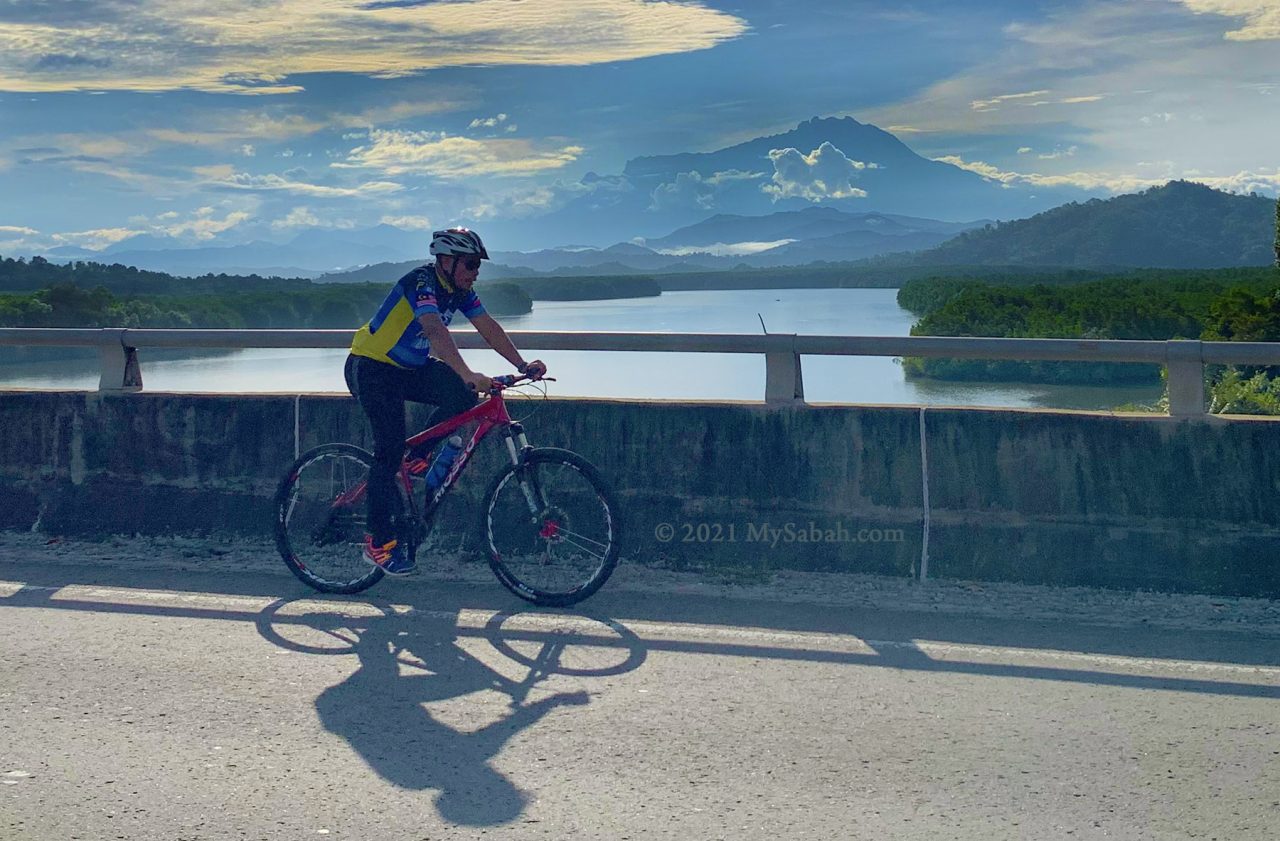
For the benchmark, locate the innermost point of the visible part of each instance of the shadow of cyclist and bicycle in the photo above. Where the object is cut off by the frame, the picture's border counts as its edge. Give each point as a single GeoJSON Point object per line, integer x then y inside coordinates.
{"type": "Point", "coordinates": [437, 695]}
{"type": "Point", "coordinates": [408, 661]}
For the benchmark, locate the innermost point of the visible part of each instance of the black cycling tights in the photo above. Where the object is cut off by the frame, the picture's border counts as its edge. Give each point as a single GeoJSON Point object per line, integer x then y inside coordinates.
{"type": "Point", "coordinates": [382, 390]}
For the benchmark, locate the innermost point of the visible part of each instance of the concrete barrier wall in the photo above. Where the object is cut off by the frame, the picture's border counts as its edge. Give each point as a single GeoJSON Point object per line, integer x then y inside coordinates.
{"type": "Point", "coordinates": [1141, 502]}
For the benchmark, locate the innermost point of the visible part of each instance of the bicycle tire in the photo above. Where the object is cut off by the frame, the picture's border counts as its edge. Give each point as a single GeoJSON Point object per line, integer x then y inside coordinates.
{"type": "Point", "coordinates": [307, 524]}
{"type": "Point", "coordinates": [566, 549]}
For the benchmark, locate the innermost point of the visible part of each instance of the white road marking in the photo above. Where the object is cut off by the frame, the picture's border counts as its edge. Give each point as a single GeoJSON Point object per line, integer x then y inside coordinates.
{"type": "Point", "coordinates": [646, 629]}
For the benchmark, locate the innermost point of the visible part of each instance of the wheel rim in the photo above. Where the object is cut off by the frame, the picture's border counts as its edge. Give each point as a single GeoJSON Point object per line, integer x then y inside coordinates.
{"type": "Point", "coordinates": [323, 520]}
{"type": "Point", "coordinates": [550, 530]}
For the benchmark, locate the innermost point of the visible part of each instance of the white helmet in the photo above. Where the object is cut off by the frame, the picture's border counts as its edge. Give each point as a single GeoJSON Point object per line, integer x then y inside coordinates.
{"type": "Point", "coordinates": [458, 241]}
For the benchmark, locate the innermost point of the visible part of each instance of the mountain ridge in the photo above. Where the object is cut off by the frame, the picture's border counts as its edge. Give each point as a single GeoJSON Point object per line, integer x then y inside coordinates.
{"type": "Point", "coordinates": [1181, 224]}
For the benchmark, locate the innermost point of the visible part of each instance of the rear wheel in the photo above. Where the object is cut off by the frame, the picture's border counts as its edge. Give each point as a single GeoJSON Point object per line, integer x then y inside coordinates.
{"type": "Point", "coordinates": [320, 519]}
{"type": "Point", "coordinates": [551, 527]}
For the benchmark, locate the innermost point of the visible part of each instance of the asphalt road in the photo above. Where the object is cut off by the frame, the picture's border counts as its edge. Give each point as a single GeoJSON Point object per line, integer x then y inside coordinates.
{"type": "Point", "coordinates": [176, 704]}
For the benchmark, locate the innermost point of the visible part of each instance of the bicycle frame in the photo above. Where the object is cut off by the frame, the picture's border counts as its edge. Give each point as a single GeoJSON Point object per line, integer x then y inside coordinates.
{"type": "Point", "coordinates": [491, 414]}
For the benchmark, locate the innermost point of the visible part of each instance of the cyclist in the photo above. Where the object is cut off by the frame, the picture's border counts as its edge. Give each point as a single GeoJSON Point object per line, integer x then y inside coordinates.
{"type": "Point", "coordinates": [404, 353]}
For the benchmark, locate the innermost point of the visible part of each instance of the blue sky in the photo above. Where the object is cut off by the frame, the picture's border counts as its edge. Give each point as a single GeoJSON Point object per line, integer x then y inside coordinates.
{"type": "Point", "coordinates": [216, 123]}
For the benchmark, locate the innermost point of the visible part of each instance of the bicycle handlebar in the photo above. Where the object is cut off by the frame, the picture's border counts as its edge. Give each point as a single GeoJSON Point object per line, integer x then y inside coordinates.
{"type": "Point", "coordinates": [506, 381]}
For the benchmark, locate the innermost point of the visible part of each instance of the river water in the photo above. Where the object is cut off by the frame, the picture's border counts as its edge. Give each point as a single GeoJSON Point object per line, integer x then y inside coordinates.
{"type": "Point", "coordinates": [842, 312]}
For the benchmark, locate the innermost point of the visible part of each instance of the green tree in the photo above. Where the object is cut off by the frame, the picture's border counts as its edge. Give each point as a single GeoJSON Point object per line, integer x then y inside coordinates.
{"type": "Point", "coordinates": [1276, 242]}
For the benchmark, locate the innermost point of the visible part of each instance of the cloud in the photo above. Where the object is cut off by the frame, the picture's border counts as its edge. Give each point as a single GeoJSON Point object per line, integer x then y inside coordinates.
{"type": "Point", "coordinates": [1262, 17]}
{"type": "Point", "coordinates": [530, 201]}
{"type": "Point", "coordinates": [692, 190]}
{"type": "Point", "coordinates": [826, 173]}
{"type": "Point", "coordinates": [299, 217]}
{"type": "Point", "coordinates": [986, 170]}
{"type": "Point", "coordinates": [201, 224]}
{"type": "Point", "coordinates": [1240, 182]}
{"type": "Point", "coordinates": [725, 249]}
{"type": "Point", "coordinates": [996, 101]}
{"type": "Point", "coordinates": [1032, 99]}
{"type": "Point", "coordinates": [205, 225]}
{"type": "Point", "coordinates": [115, 157]}
{"type": "Point", "coordinates": [1103, 65]}
{"type": "Point", "coordinates": [408, 223]}
{"type": "Point", "coordinates": [61, 148]}
{"type": "Point", "coordinates": [230, 131]}
{"type": "Point", "coordinates": [227, 131]}
{"type": "Point", "coordinates": [271, 183]}
{"type": "Point", "coordinates": [397, 111]}
{"type": "Point", "coordinates": [248, 47]}
{"type": "Point", "coordinates": [97, 239]}
{"type": "Point", "coordinates": [490, 122]}
{"type": "Point", "coordinates": [1244, 182]}
{"type": "Point", "coordinates": [444, 156]}
{"type": "Point", "coordinates": [1068, 152]}
{"type": "Point", "coordinates": [214, 172]}
{"type": "Point", "coordinates": [1022, 150]}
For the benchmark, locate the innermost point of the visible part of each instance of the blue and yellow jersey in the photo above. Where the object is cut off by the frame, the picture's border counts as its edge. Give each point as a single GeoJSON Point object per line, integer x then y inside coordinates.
{"type": "Point", "coordinates": [394, 335]}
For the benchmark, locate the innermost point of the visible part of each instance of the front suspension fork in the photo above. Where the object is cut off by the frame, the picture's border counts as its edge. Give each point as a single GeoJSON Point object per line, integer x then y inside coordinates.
{"type": "Point", "coordinates": [518, 449]}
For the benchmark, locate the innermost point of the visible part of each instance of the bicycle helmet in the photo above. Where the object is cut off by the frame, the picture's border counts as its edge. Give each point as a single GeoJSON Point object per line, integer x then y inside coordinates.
{"type": "Point", "coordinates": [458, 241]}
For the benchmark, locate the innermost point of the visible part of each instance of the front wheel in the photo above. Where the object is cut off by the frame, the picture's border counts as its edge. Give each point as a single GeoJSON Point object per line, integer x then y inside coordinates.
{"type": "Point", "coordinates": [551, 527]}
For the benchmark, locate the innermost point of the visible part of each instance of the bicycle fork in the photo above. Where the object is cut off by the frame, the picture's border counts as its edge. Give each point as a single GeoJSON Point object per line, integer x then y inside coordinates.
{"type": "Point", "coordinates": [517, 447]}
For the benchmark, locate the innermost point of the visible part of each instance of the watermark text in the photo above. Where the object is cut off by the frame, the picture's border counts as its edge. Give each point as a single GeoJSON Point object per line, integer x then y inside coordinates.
{"type": "Point", "coordinates": [773, 534]}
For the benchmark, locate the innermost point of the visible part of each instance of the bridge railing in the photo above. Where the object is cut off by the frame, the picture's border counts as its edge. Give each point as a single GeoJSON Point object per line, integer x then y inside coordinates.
{"type": "Point", "coordinates": [784, 381]}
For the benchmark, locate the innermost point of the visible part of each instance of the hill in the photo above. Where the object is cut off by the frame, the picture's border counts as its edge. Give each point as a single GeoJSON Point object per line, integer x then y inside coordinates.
{"type": "Point", "coordinates": [1179, 225]}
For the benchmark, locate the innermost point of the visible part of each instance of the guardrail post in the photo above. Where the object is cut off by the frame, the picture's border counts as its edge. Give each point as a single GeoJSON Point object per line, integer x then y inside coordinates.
{"type": "Point", "coordinates": [783, 379]}
{"type": "Point", "coordinates": [120, 371]}
{"type": "Point", "coordinates": [1186, 378]}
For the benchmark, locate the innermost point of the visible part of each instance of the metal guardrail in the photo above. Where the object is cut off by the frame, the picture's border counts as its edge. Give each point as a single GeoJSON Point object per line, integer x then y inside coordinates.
{"type": "Point", "coordinates": [784, 382]}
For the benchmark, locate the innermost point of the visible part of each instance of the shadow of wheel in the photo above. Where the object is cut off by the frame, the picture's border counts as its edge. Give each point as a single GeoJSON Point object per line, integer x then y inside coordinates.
{"type": "Point", "coordinates": [566, 644]}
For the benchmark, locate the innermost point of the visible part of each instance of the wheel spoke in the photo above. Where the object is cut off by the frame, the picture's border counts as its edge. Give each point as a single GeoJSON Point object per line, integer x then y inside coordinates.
{"type": "Point", "coordinates": [593, 553]}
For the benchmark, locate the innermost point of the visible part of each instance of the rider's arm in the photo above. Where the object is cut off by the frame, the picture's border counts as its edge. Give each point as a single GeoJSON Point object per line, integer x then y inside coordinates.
{"type": "Point", "coordinates": [493, 334]}
{"type": "Point", "coordinates": [443, 348]}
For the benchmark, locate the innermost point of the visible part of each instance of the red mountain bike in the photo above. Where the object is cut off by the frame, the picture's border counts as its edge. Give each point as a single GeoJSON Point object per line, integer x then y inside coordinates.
{"type": "Point", "coordinates": [548, 521]}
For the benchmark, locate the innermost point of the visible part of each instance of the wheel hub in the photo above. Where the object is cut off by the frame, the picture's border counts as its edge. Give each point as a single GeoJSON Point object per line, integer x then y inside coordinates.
{"type": "Point", "coordinates": [554, 524]}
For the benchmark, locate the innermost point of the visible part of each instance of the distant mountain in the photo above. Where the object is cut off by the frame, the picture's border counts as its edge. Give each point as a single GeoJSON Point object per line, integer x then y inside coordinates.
{"type": "Point", "coordinates": [880, 173]}
{"type": "Point", "coordinates": [808, 223]}
{"type": "Point", "coordinates": [725, 241]}
{"type": "Point", "coordinates": [630, 258]}
{"type": "Point", "coordinates": [140, 242]}
{"type": "Point", "coordinates": [1179, 225]}
{"type": "Point", "coordinates": [894, 178]}
{"type": "Point", "coordinates": [390, 272]}
{"type": "Point", "coordinates": [842, 248]}
{"type": "Point", "coordinates": [309, 253]}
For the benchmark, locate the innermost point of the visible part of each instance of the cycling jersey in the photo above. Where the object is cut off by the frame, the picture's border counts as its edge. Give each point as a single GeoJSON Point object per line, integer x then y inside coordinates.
{"type": "Point", "coordinates": [394, 334]}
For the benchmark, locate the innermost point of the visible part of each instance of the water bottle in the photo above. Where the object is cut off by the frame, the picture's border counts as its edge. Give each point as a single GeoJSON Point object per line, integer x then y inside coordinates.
{"type": "Point", "coordinates": [444, 461]}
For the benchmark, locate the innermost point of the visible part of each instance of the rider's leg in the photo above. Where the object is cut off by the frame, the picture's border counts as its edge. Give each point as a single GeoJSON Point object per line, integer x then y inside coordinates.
{"type": "Point", "coordinates": [439, 385]}
{"type": "Point", "coordinates": [380, 389]}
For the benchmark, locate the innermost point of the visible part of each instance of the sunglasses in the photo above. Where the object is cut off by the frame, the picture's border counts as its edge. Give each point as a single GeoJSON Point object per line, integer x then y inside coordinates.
{"type": "Point", "coordinates": [472, 264]}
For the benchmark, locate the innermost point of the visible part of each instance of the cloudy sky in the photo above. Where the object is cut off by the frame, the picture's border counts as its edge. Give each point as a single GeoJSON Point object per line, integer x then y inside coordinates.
{"type": "Point", "coordinates": [220, 122]}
